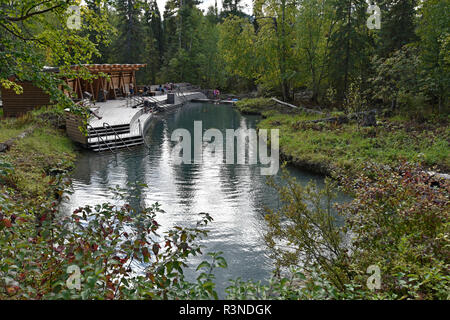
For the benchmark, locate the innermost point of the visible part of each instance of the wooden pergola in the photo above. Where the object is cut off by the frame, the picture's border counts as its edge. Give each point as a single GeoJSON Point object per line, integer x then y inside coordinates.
{"type": "Point", "coordinates": [116, 82]}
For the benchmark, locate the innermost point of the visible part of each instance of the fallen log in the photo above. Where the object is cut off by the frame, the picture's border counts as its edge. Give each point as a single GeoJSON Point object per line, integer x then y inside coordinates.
{"type": "Point", "coordinates": [439, 175]}
{"type": "Point", "coordinates": [5, 146]}
{"type": "Point", "coordinates": [368, 120]}
{"type": "Point", "coordinates": [297, 107]}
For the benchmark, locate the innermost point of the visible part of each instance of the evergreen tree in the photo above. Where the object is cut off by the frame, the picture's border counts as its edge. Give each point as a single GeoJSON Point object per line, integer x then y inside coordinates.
{"type": "Point", "coordinates": [101, 9]}
{"type": "Point", "coordinates": [181, 25]}
{"type": "Point", "coordinates": [231, 7]}
{"type": "Point", "coordinates": [349, 56]}
{"type": "Point", "coordinates": [434, 33]}
{"type": "Point", "coordinates": [153, 41]}
{"type": "Point", "coordinates": [128, 46]}
{"type": "Point", "coordinates": [156, 26]}
{"type": "Point", "coordinates": [398, 25]}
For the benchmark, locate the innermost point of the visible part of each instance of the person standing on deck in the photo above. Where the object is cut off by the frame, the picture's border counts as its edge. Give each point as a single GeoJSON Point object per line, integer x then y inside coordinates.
{"type": "Point", "coordinates": [131, 89]}
{"type": "Point", "coordinates": [216, 94]}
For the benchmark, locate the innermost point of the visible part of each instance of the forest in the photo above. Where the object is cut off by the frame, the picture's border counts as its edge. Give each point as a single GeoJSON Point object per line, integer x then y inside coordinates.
{"type": "Point", "coordinates": [358, 89]}
{"type": "Point", "coordinates": [286, 46]}
{"type": "Point", "coordinates": [322, 50]}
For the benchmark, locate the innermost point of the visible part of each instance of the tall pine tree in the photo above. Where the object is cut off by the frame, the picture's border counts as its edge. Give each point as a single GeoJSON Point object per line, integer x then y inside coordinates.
{"type": "Point", "coordinates": [349, 45]}
{"type": "Point", "coordinates": [128, 46]}
{"type": "Point", "coordinates": [153, 41]}
{"type": "Point", "coordinates": [398, 27]}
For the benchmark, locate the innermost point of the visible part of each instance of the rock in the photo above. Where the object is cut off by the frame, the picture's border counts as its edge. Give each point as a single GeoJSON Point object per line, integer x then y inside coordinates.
{"type": "Point", "coordinates": [369, 119]}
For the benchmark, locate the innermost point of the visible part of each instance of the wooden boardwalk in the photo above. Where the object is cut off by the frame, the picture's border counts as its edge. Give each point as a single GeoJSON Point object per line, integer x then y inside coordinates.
{"type": "Point", "coordinates": [122, 125]}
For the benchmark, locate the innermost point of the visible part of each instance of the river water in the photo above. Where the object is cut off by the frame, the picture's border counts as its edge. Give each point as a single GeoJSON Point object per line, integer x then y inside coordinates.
{"type": "Point", "coordinates": [236, 196]}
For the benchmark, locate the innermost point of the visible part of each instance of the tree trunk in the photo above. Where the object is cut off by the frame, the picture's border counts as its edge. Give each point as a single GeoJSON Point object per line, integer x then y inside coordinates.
{"type": "Point", "coordinates": [297, 107]}
{"type": "Point", "coordinates": [347, 53]}
{"type": "Point", "coordinates": [284, 84]}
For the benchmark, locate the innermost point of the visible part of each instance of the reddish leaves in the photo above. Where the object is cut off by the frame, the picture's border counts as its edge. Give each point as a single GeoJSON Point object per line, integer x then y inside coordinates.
{"type": "Point", "coordinates": [7, 223]}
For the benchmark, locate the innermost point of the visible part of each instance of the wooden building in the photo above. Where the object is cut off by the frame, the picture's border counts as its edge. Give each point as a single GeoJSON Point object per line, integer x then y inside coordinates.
{"type": "Point", "coordinates": [18, 104]}
{"type": "Point", "coordinates": [115, 84]}
{"type": "Point", "coordinates": [113, 80]}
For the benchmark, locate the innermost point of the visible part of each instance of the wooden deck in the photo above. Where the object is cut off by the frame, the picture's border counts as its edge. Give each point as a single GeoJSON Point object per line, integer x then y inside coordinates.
{"type": "Point", "coordinates": [120, 124]}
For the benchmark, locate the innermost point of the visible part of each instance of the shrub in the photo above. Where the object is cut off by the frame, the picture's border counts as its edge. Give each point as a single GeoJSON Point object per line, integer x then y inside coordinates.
{"type": "Point", "coordinates": [398, 221]}
{"type": "Point", "coordinates": [305, 230]}
{"type": "Point", "coordinates": [38, 247]}
{"type": "Point", "coordinates": [6, 170]}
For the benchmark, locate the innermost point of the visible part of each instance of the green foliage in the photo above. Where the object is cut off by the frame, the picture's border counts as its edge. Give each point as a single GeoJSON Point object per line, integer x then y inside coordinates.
{"type": "Point", "coordinates": [104, 241]}
{"type": "Point", "coordinates": [278, 288]}
{"type": "Point", "coordinates": [396, 15]}
{"type": "Point", "coordinates": [303, 231]}
{"type": "Point", "coordinates": [264, 53]}
{"type": "Point", "coordinates": [350, 45]}
{"type": "Point", "coordinates": [434, 32]}
{"type": "Point", "coordinates": [355, 102]}
{"type": "Point", "coordinates": [323, 147]}
{"type": "Point", "coordinates": [398, 80]}
{"type": "Point", "coordinates": [128, 46]}
{"type": "Point", "coordinates": [399, 221]}
{"type": "Point", "coordinates": [6, 169]}
{"type": "Point", "coordinates": [299, 285]}
{"type": "Point", "coordinates": [315, 23]}
{"type": "Point", "coordinates": [286, 47]}
{"type": "Point", "coordinates": [36, 35]}
{"type": "Point", "coordinates": [236, 47]}
{"type": "Point", "coordinates": [326, 44]}
{"type": "Point", "coordinates": [254, 106]}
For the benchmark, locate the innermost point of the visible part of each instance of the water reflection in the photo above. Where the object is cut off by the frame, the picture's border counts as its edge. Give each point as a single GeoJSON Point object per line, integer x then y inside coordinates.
{"type": "Point", "coordinates": [234, 195]}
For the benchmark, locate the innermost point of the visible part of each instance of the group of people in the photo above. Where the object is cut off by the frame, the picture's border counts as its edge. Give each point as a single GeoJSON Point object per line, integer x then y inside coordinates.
{"type": "Point", "coordinates": [166, 88]}
{"type": "Point", "coordinates": [163, 89]}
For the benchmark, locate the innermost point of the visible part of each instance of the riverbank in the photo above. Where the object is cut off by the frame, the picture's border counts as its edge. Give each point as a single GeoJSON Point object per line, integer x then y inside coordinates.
{"type": "Point", "coordinates": [36, 250]}
{"type": "Point", "coordinates": [36, 164]}
{"type": "Point", "coordinates": [398, 216]}
{"type": "Point", "coordinates": [324, 147]}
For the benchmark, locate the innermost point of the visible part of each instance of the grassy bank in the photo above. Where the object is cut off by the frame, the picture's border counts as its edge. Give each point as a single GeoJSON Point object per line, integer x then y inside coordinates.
{"type": "Point", "coordinates": [254, 106]}
{"type": "Point", "coordinates": [324, 146]}
{"type": "Point", "coordinates": [32, 163]}
{"type": "Point", "coordinates": [398, 217]}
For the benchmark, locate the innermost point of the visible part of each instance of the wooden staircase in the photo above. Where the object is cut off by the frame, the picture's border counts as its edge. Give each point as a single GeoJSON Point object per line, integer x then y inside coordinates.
{"type": "Point", "coordinates": [112, 138]}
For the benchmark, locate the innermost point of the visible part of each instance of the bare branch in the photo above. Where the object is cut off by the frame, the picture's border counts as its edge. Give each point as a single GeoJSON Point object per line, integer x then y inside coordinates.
{"type": "Point", "coordinates": [31, 14]}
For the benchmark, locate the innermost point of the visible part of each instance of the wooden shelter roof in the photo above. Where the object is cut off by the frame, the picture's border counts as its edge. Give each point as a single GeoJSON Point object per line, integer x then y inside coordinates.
{"type": "Point", "coordinates": [111, 67]}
